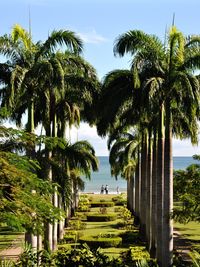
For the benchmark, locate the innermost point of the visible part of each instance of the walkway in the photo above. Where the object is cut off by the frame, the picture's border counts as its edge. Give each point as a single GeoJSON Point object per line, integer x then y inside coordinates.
{"type": "Point", "coordinates": [14, 250]}
{"type": "Point", "coordinates": [182, 246]}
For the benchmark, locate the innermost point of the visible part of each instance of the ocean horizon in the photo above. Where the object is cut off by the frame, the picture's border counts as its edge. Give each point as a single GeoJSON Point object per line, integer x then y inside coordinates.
{"type": "Point", "coordinates": [103, 176]}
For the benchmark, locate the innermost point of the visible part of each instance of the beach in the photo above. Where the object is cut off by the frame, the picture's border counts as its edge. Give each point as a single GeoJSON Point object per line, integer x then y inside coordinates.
{"type": "Point", "coordinates": [103, 176]}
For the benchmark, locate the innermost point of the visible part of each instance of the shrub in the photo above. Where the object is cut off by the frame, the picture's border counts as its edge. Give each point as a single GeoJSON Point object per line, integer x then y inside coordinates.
{"type": "Point", "coordinates": [69, 237]}
{"type": "Point", "coordinates": [103, 242]}
{"type": "Point", "coordinates": [103, 210]}
{"type": "Point", "coordinates": [83, 208]}
{"type": "Point", "coordinates": [130, 237]}
{"type": "Point", "coordinates": [117, 209]}
{"type": "Point", "coordinates": [119, 200]}
{"type": "Point", "coordinates": [139, 253]}
{"type": "Point", "coordinates": [120, 203]}
{"type": "Point", "coordinates": [101, 217]}
{"type": "Point", "coordinates": [126, 216]}
{"type": "Point", "coordinates": [77, 225]}
{"type": "Point", "coordinates": [84, 203]}
{"type": "Point", "coordinates": [83, 256]}
{"type": "Point", "coordinates": [102, 204]}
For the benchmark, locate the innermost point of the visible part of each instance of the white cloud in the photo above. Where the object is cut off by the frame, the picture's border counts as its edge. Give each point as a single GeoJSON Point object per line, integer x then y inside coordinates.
{"type": "Point", "coordinates": [184, 148]}
{"type": "Point", "coordinates": [92, 37]}
{"type": "Point", "coordinates": [85, 132]}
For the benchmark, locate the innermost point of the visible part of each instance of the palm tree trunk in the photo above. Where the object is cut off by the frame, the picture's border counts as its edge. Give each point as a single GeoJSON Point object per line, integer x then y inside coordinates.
{"type": "Point", "coordinates": [160, 181]}
{"type": "Point", "coordinates": [131, 187]}
{"type": "Point", "coordinates": [48, 233]}
{"type": "Point", "coordinates": [29, 237]}
{"type": "Point", "coordinates": [137, 187]}
{"type": "Point", "coordinates": [55, 195]}
{"type": "Point", "coordinates": [61, 221]}
{"type": "Point", "coordinates": [154, 210]}
{"type": "Point", "coordinates": [149, 192]}
{"type": "Point", "coordinates": [168, 193]}
{"type": "Point", "coordinates": [31, 124]}
{"type": "Point", "coordinates": [55, 223]}
{"type": "Point", "coordinates": [143, 187]}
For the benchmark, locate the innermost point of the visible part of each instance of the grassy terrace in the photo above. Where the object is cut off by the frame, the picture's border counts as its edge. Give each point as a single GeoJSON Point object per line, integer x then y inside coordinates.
{"type": "Point", "coordinates": [190, 231]}
{"type": "Point", "coordinates": [114, 228]}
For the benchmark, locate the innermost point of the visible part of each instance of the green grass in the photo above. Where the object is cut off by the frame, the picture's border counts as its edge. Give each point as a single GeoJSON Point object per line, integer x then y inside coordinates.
{"type": "Point", "coordinates": [110, 227]}
{"type": "Point", "coordinates": [190, 230]}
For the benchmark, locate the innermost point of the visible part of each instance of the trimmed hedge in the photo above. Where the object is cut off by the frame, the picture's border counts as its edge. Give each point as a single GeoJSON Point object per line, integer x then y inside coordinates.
{"type": "Point", "coordinates": [119, 201]}
{"type": "Point", "coordinates": [103, 242]}
{"type": "Point", "coordinates": [101, 217]}
{"type": "Point", "coordinates": [102, 204]}
{"type": "Point", "coordinates": [130, 237]}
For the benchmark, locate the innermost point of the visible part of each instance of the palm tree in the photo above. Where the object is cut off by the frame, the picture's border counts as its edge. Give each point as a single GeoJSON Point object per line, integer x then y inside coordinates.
{"type": "Point", "coordinates": [123, 160]}
{"type": "Point", "coordinates": [25, 57]}
{"type": "Point", "coordinates": [171, 65]}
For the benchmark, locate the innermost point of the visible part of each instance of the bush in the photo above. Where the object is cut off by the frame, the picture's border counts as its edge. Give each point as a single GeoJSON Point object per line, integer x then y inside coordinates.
{"type": "Point", "coordinates": [103, 242]}
{"type": "Point", "coordinates": [119, 200]}
{"type": "Point", "coordinates": [130, 237]}
{"type": "Point", "coordinates": [103, 210]}
{"type": "Point", "coordinates": [83, 208]}
{"type": "Point", "coordinates": [101, 217]}
{"type": "Point", "coordinates": [117, 209]}
{"type": "Point", "coordinates": [102, 204]}
{"type": "Point", "coordinates": [69, 237]}
{"type": "Point", "coordinates": [84, 203]}
{"type": "Point", "coordinates": [139, 253]}
{"type": "Point", "coordinates": [77, 225]}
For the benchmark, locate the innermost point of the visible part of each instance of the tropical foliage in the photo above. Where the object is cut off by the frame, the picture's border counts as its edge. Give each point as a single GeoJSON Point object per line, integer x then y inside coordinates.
{"type": "Point", "coordinates": [53, 87]}
{"type": "Point", "coordinates": [187, 192]}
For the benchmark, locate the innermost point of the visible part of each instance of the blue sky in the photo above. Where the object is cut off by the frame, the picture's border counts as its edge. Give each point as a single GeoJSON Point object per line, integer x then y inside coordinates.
{"type": "Point", "coordinates": [99, 23]}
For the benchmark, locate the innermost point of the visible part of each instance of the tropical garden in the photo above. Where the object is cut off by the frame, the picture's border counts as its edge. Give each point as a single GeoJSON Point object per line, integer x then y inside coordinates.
{"type": "Point", "coordinates": [140, 109]}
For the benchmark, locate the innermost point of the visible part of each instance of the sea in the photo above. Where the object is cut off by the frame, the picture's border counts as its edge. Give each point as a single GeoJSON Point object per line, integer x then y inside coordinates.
{"type": "Point", "coordinates": [103, 176]}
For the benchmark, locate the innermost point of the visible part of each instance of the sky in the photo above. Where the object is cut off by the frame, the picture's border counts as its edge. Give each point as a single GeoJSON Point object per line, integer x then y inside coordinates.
{"type": "Point", "coordinates": [99, 23]}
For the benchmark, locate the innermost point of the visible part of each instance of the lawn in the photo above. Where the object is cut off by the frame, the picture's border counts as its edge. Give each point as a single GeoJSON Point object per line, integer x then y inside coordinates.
{"type": "Point", "coordinates": [190, 230]}
{"type": "Point", "coordinates": [115, 227]}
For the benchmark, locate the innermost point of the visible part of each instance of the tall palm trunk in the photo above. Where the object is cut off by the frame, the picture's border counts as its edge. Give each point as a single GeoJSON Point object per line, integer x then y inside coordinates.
{"type": "Point", "coordinates": [31, 238]}
{"type": "Point", "coordinates": [61, 222]}
{"type": "Point", "coordinates": [48, 233]}
{"type": "Point", "coordinates": [55, 195]}
{"type": "Point", "coordinates": [137, 186]}
{"type": "Point", "coordinates": [154, 210]}
{"type": "Point", "coordinates": [130, 185]}
{"type": "Point", "coordinates": [149, 192]}
{"type": "Point", "coordinates": [160, 181]}
{"type": "Point", "coordinates": [61, 127]}
{"type": "Point", "coordinates": [168, 193]}
{"type": "Point", "coordinates": [143, 186]}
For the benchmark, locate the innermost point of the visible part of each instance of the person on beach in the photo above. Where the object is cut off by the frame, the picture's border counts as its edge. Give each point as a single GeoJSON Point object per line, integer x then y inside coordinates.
{"type": "Point", "coordinates": [106, 189]}
{"type": "Point", "coordinates": [102, 189]}
{"type": "Point", "coordinates": [117, 189]}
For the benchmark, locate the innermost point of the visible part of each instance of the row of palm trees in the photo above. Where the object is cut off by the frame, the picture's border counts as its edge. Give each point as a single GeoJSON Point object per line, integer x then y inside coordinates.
{"type": "Point", "coordinates": [142, 109]}
{"type": "Point", "coordinates": [54, 86]}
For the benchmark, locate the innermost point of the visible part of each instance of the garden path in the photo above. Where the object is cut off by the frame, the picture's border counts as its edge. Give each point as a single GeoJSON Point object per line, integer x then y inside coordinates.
{"type": "Point", "coordinates": [182, 246]}
{"type": "Point", "coordinates": [14, 250]}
